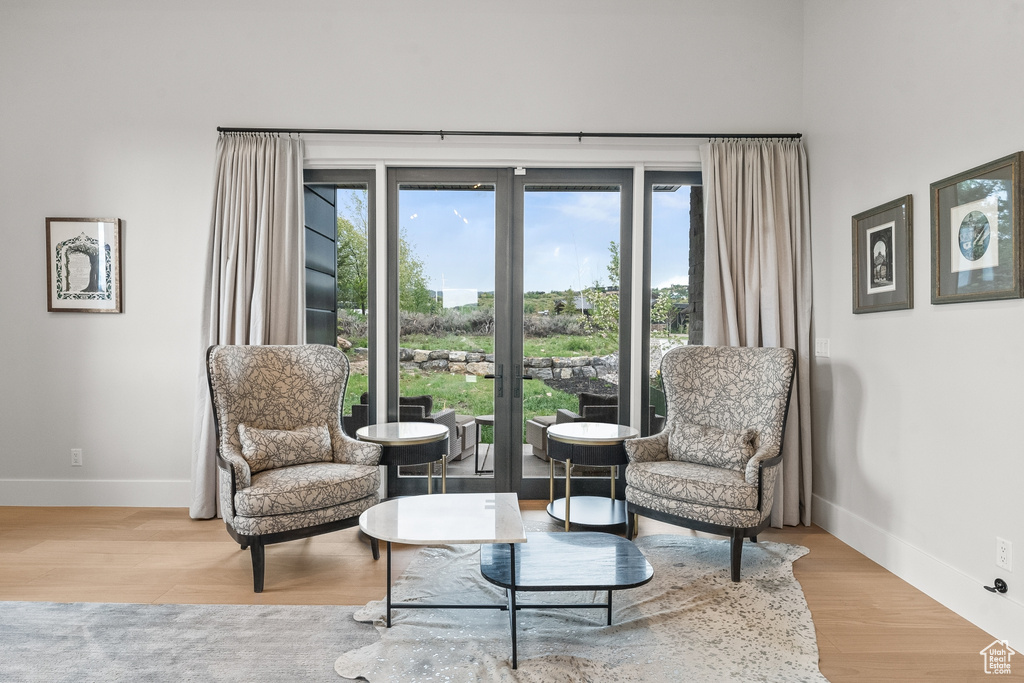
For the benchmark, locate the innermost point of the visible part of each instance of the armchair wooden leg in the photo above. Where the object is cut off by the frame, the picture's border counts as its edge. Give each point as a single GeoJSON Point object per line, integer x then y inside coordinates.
{"type": "Point", "coordinates": [631, 525]}
{"type": "Point", "coordinates": [737, 552]}
{"type": "Point", "coordinates": [258, 564]}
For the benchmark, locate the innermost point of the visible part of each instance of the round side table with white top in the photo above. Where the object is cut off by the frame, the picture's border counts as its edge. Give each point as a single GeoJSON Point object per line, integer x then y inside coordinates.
{"type": "Point", "coordinates": [589, 444]}
{"type": "Point", "coordinates": [411, 443]}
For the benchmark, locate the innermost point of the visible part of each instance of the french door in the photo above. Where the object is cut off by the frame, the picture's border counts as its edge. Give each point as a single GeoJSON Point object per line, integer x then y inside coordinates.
{"type": "Point", "coordinates": [509, 295]}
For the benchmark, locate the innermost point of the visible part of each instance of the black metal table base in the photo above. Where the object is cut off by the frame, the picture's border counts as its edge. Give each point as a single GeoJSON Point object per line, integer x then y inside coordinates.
{"type": "Point", "coordinates": [603, 563]}
{"type": "Point", "coordinates": [511, 605]}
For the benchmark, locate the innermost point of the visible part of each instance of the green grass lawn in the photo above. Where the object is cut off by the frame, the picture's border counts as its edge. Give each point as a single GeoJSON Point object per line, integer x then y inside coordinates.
{"type": "Point", "coordinates": [467, 398]}
{"type": "Point", "coordinates": [476, 397]}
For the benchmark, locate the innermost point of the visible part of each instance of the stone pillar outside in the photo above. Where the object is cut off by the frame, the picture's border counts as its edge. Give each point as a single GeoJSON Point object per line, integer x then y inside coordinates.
{"type": "Point", "coordinates": [696, 286]}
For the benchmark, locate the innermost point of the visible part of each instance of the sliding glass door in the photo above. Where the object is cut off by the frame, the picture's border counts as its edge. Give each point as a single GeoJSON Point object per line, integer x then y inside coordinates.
{"type": "Point", "coordinates": [571, 313]}
{"type": "Point", "coordinates": [448, 234]}
{"type": "Point", "coordinates": [511, 292]}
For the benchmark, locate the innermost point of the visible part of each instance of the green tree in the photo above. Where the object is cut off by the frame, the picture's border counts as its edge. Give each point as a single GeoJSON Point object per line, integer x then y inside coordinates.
{"type": "Point", "coordinates": [352, 270]}
{"type": "Point", "coordinates": [353, 274]}
{"type": "Point", "coordinates": [413, 295]}
{"type": "Point", "coordinates": [613, 264]}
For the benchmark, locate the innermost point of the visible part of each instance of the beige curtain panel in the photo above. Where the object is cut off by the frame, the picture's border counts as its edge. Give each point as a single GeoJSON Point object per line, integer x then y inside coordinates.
{"type": "Point", "coordinates": [254, 291]}
{"type": "Point", "coordinates": [757, 280]}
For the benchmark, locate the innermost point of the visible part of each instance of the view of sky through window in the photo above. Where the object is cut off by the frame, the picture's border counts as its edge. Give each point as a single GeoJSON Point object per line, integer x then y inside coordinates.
{"type": "Point", "coordinates": [566, 237]}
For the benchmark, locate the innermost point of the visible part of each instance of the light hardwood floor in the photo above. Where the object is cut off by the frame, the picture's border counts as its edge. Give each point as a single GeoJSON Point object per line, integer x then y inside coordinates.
{"type": "Point", "coordinates": [871, 625]}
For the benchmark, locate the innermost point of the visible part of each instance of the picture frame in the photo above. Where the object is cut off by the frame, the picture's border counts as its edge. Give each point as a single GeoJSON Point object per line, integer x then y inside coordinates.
{"type": "Point", "coordinates": [83, 265]}
{"type": "Point", "coordinates": [883, 257]}
{"type": "Point", "coordinates": [977, 238]}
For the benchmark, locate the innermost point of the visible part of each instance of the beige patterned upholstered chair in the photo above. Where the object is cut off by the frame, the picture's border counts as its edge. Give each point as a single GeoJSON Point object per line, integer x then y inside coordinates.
{"type": "Point", "coordinates": [287, 469]}
{"type": "Point", "coordinates": [713, 467]}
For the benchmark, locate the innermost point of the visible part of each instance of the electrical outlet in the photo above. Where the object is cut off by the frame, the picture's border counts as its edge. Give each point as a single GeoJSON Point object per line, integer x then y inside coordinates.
{"type": "Point", "coordinates": [76, 457]}
{"type": "Point", "coordinates": [1004, 554]}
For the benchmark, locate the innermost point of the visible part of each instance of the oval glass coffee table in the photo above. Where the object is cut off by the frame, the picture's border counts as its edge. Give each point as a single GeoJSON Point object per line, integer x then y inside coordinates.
{"type": "Point", "coordinates": [411, 443]}
{"type": "Point", "coordinates": [590, 444]}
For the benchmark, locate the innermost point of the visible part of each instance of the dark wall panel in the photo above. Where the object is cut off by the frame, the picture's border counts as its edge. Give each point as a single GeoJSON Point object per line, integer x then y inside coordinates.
{"type": "Point", "coordinates": [321, 327]}
{"type": "Point", "coordinates": [319, 214]}
{"type": "Point", "coordinates": [321, 292]}
{"type": "Point", "coordinates": [320, 252]}
{"type": "Point", "coordinates": [325, 191]}
{"type": "Point", "coordinates": [321, 260]}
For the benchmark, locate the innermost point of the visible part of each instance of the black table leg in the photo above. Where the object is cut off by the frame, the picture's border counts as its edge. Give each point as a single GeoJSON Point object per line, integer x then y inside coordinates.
{"type": "Point", "coordinates": [476, 455]}
{"type": "Point", "coordinates": [512, 603]}
{"type": "Point", "coordinates": [389, 586]}
{"type": "Point", "coordinates": [609, 608]}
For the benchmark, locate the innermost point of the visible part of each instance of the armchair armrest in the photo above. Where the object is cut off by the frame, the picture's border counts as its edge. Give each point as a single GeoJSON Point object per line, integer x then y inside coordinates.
{"type": "Point", "coordinates": [762, 470]}
{"type": "Point", "coordinates": [647, 448]}
{"type": "Point", "coordinates": [230, 459]}
{"type": "Point", "coordinates": [762, 460]}
{"type": "Point", "coordinates": [562, 416]}
{"type": "Point", "coordinates": [354, 452]}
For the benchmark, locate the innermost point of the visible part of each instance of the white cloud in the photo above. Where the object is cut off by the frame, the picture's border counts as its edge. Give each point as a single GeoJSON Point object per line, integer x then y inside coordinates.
{"type": "Point", "coordinates": [600, 207]}
{"type": "Point", "coordinates": [673, 280]}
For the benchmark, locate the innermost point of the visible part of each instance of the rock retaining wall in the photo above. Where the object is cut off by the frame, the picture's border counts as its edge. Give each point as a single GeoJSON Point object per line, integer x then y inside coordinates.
{"type": "Point", "coordinates": [475, 363]}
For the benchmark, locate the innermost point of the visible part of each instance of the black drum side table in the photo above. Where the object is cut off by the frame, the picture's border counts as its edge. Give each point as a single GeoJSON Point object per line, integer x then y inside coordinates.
{"type": "Point", "coordinates": [592, 444]}
{"type": "Point", "coordinates": [411, 443]}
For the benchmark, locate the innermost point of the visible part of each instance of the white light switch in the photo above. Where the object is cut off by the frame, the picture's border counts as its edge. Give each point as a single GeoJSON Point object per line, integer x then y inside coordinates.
{"type": "Point", "coordinates": [821, 348]}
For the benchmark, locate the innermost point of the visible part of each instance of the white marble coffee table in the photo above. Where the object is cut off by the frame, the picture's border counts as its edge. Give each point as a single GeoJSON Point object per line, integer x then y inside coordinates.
{"type": "Point", "coordinates": [449, 518]}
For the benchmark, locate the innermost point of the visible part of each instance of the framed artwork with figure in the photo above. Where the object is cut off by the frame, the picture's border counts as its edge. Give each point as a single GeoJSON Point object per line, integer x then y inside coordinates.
{"type": "Point", "coordinates": [83, 265]}
{"type": "Point", "coordinates": [883, 264]}
{"type": "Point", "coordinates": [976, 233]}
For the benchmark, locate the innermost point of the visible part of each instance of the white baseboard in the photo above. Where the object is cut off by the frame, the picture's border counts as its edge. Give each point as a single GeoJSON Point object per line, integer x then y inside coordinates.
{"type": "Point", "coordinates": [1001, 616]}
{"type": "Point", "coordinates": [95, 492]}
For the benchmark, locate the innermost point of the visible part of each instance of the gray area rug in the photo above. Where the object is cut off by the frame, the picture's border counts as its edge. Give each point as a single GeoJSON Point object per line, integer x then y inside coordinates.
{"type": "Point", "coordinates": [690, 623]}
{"type": "Point", "coordinates": [45, 641]}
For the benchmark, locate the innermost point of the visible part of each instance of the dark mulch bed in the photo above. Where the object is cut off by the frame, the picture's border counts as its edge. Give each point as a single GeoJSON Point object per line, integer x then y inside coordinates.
{"type": "Point", "coordinates": [578, 385]}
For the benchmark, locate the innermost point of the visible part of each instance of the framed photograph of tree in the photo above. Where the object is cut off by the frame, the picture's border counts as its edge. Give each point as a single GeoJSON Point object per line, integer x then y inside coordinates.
{"type": "Point", "coordinates": [883, 259]}
{"type": "Point", "coordinates": [83, 265]}
{"type": "Point", "coordinates": [977, 239]}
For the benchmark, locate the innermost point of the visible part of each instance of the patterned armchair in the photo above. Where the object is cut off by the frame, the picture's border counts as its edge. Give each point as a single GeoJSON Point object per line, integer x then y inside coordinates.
{"type": "Point", "coordinates": [287, 470]}
{"type": "Point", "coordinates": [713, 468]}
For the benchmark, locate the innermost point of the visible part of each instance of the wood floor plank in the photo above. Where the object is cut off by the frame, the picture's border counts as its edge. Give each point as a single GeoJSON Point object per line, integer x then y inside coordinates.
{"type": "Point", "coordinates": [870, 625]}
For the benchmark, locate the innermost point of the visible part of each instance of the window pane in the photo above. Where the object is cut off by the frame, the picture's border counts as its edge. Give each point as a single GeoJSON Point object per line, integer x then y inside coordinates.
{"type": "Point", "coordinates": [670, 269]}
{"type": "Point", "coordinates": [570, 310]}
{"type": "Point", "coordinates": [352, 217]}
{"type": "Point", "coordinates": [446, 305]}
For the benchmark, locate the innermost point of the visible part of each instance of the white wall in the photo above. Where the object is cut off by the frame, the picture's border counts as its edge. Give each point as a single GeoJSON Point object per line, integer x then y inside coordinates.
{"type": "Point", "coordinates": [918, 456]}
{"type": "Point", "coordinates": [109, 109]}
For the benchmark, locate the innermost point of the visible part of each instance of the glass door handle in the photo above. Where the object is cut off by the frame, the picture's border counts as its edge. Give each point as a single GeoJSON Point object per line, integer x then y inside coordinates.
{"type": "Point", "coordinates": [499, 388]}
{"type": "Point", "coordinates": [517, 386]}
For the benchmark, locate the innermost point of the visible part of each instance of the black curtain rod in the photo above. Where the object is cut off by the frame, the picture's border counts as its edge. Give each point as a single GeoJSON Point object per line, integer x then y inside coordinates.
{"type": "Point", "coordinates": [511, 134]}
